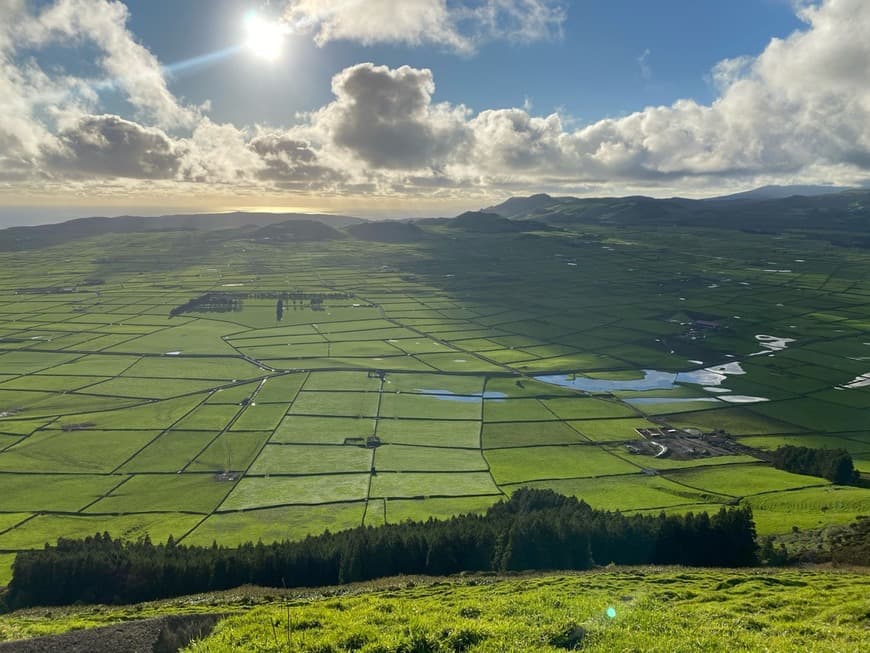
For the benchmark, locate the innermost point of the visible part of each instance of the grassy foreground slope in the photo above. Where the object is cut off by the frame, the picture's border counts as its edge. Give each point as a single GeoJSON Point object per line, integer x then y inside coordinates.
{"type": "Point", "coordinates": [633, 609]}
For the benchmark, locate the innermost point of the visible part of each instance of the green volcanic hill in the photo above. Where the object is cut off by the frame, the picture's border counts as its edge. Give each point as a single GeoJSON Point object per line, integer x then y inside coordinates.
{"type": "Point", "coordinates": [667, 610]}
{"type": "Point", "coordinates": [767, 211]}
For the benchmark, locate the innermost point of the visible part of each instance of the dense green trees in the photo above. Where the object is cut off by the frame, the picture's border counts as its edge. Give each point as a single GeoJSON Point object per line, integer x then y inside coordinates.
{"type": "Point", "coordinates": [535, 529]}
{"type": "Point", "coordinates": [851, 546]}
{"type": "Point", "coordinates": [833, 464]}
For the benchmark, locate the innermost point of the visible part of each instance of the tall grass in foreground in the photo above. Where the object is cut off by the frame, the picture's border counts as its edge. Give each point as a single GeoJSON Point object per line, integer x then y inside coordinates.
{"type": "Point", "coordinates": [646, 610]}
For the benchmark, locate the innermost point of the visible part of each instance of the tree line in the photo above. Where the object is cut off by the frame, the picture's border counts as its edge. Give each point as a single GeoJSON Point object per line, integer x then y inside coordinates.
{"type": "Point", "coordinates": [219, 301]}
{"type": "Point", "coordinates": [836, 465]}
{"type": "Point", "coordinates": [534, 529]}
{"type": "Point", "coordinates": [210, 302]}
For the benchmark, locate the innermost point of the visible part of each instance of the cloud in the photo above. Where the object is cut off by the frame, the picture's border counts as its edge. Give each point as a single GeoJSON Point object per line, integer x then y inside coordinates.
{"type": "Point", "coordinates": [458, 26]}
{"type": "Point", "coordinates": [799, 111]}
{"type": "Point", "coordinates": [218, 154]}
{"type": "Point", "coordinates": [292, 163]}
{"type": "Point", "coordinates": [523, 21]}
{"type": "Point", "coordinates": [128, 65]}
{"type": "Point", "coordinates": [511, 142]}
{"type": "Point", "coordinates": [728, 71]}
{"type": "Point", "coordinates": [643, 62]}
{"type": "Point", "coordinates": [386, 118]}
{"type": "Point", "coordinates": [109, 146]}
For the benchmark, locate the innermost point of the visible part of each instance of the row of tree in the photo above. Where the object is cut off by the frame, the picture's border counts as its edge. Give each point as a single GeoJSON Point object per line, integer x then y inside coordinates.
{"type": "Point", "coordinates": [535, 529]}
{"type": "Point", "coordinates": [210, 302]}
{"type": "Point", "coordinates": [836, 465]}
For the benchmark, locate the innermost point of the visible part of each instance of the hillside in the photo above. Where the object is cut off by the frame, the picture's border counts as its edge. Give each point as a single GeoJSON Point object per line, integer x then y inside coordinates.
{"type": "Point", "coordinates": [520, 207]}
{"type": "Point", "coordinates": [844, 211]}
{"type": "Point", "coordinates": [47, 235]}
{"type": "Point", "coordinates": [386, 231]}
{"type": "Point", "coordinates": [779, 192]}
{"type": "Point", "coordinates": [300, 230]}
{"type": "Point", "coordinates": [482, 222]}
{"type": "Point", "coordinates": [646, 609]}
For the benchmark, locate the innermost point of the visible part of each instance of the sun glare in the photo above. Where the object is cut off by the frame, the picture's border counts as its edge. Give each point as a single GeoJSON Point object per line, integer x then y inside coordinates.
{"type": "Point", "coordinates": [265, 38]}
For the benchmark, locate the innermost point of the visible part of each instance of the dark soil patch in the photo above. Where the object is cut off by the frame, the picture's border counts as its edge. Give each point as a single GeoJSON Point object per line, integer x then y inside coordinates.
{"type": "Point", "coordinates": [161, 635]}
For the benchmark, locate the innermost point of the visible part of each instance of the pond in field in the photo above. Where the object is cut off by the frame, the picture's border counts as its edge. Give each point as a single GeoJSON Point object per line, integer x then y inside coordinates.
{"type": "Point", "coordinates": [448, 395]}
{"type": "Point", "coordinates": [771, 344]}
{"type": "Point", "coordinates": [652, 379]}
{"type": "Point", "coordinates": [710, 378]}
{"type": "Point", "coordinates": [671, 400]}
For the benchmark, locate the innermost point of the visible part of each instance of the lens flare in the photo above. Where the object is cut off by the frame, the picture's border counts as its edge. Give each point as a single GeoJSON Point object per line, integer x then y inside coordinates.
{"type": "Point", "coordinates": [610, 612]}
{"type": "Point", "coordinates": [265, 38]}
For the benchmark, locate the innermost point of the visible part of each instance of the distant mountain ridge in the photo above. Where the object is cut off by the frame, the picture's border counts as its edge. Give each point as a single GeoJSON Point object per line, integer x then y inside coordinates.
{"type": "Point", "coordinates": [526, 206]}
{"type": "Point", "coordinates": [845, 211]}
{"type": "Point", "coordinates": [386, 231]}
{"type": "Point", "coordinates": [774, 192]}
{"type": "Point", "coordinates": [46, 235]}
{"type": "Point", "coordinates": [768, 209]}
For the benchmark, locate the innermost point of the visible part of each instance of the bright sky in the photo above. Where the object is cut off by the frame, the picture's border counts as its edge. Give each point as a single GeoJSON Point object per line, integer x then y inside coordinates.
{"type": "Point", "coordinates": [421, 107]}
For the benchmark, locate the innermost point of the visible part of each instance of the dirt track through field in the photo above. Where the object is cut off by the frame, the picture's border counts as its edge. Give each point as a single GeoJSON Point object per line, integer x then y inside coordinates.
{"type": "Point", "coordinates": [160, 635]}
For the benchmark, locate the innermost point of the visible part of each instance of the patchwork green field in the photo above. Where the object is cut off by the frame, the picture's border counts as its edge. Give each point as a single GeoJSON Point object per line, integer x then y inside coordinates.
{"type": "Point", "coordinates": [404, 381]}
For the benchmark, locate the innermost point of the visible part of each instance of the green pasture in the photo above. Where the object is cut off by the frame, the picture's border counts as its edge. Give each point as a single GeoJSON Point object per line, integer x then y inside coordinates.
{"type": "Point", "coordinates": [498, 435]}
{"type": "Point", "coordinates": [430, 432]}
{"type": "Point", "coordinates": [429, 406]}
{"type": "Point", "coordinates": [300, 459]}
{"type": "Point", "coordinates": [632, 492]}
{"type": "Point", "coordinates": [170, 452]}
{"type": "Point", "coordinates": [44, 529]}
{"type": "Point", "coordinates": [275, 524]}
{"type": "Point", "coordinates": [195, 493]}
{"type": "Point", "coordinates": [855, 443]}
{"type": "Point", "coordinates": [340, 404]}
{"type": "Point", "coordinates": [155, 415]}
{"type": "Point", "coordinates": [399, 510]}
{"type": "Point", "coordinates": [261, 491]}
{"type": "Point", "coordinates": [52, 492]}
{"type": "Point", "coordinates": [342, 381]}
{"type": "Point", "coordinates": [375, 513]}
{"type": "Point", "coordinates": [194, 337]}
{"type": "Point", "coordinates": [209, 417]}
{"type": "Point", "coordinates": [516, 410]}
{"type": "Point", "coordinates": [780, 512]}
{"type": "Point", "coordinates": [259, 416]}
{"type": "Point", "coordinates": [302, 429]}
{"type": "Point", "coordinates": [227, 368]}
{"type": "Point", "coordinates": [434, 384]}
{"type": "Point", "coordinates": [147, 388]}
{"type": "Point", "coordinates": [74, 451]}
{"type": "Point", "coordinates": [743, 480]}
{"type": "Point", "coordinates": [234, 450]}
{"type": "Point", "coordinates": [409, 485]}
{"type": "Point", "coordinates": [571, 461]}
{"type": "Point", "coordinates": [403, 458]}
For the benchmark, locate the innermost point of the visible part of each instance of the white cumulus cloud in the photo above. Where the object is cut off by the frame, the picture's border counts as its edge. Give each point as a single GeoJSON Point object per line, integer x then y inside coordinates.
{"type": "Point", "coordinates": [459, 26]}
{"type": "Point", "coordinates": [128, 64]}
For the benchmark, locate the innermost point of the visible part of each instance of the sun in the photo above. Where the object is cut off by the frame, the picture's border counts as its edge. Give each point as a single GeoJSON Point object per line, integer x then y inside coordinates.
{"type": "Point", "coordinates": [265, 37]}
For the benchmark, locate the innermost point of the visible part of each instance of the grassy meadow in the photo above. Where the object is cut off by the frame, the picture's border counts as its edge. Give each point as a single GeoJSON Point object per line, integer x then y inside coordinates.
{"type": "Point", "coordinates": [670, 610]}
